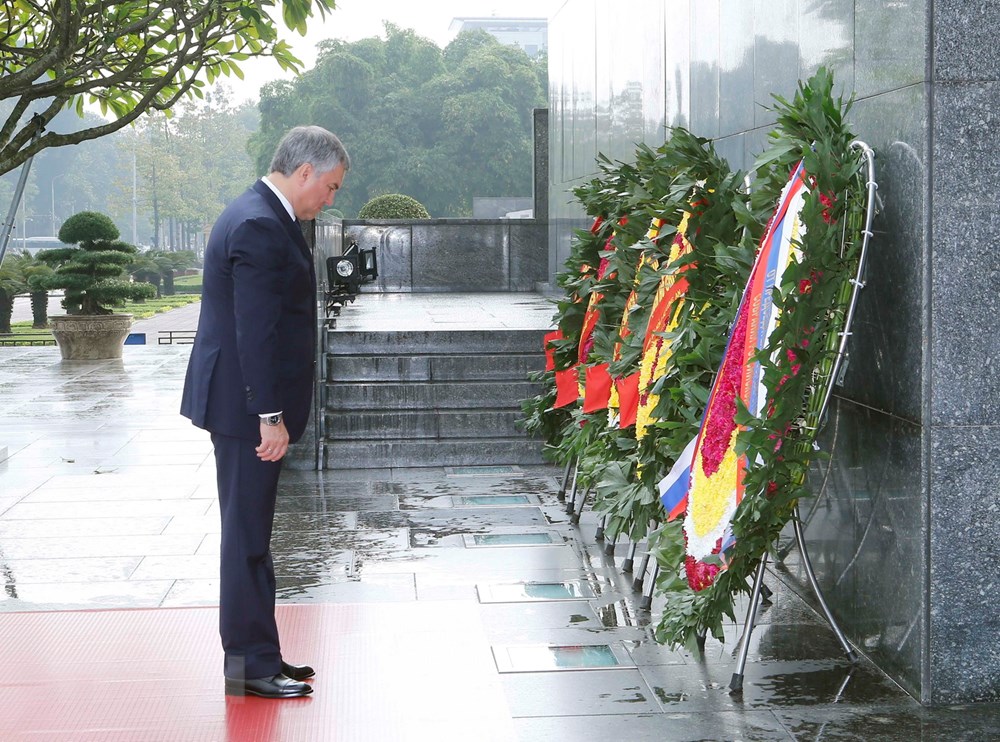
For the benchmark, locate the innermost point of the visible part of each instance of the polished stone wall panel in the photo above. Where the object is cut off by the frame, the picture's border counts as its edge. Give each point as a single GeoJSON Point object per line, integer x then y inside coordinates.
{"type": "Point", "coordinates": [733, 149]}
{"type": "Point", "coordinates": [826, 38]}
{"type": "Point", "coordinates": [451, 258]}
{"type": "Point", "coordinates": [705, 68]}
{"type": "Point", "coordinates": [965, 40]}
{"type": "Point", "coordinates": [776, 54]}
{"type": "Point", "coordinates": [677, 62]}
{"type": "Point", "coordinates": [890, 45]}
{"type": "Point", "coordinates": [964, 548]}
{"type": "Point", "coordinates": [736, 67]}
{"type": "Point", "coordinates": [965, 301]}
{"type": "Point", "coordinates": [540, 164]}
{"type": "Point", "coordinates": [654, 83]}
{"type": "Point", "coordinates": [584, 101]}
{"type": "Point", "coordinates": [528, 254]}
{"type": "Point", "coordinates": [888, 348]}
{"type": "Point", "coordinates": [864, 533]}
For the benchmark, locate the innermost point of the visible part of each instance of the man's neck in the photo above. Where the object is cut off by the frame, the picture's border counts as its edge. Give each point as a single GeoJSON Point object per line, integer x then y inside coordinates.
{"type": "Point", "coordinates": [282, 187]}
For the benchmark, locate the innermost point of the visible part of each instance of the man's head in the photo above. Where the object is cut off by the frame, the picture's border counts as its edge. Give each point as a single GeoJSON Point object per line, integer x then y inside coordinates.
{"type": "Point", "coordinates": [309, 167]}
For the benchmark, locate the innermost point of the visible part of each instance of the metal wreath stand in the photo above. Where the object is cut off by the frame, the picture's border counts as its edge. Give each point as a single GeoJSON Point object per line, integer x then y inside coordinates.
{"type": "Point", "coordinates": [736, 684]}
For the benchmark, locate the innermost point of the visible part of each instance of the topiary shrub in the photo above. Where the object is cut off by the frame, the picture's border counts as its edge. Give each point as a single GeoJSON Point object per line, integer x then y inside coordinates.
{"type": "Point", "coordinates": [87, 226]}
{"type": "Point", "coordinates": [393, 206]}
{"type": "Point", "coordinates": [94, 275]}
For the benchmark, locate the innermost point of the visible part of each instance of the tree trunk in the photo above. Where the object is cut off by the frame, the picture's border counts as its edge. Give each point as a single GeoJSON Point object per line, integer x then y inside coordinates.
{"type": "Point", "coordinates": [168, 283]}
{"type": "Point", "coordinates": [6, 310]}
{"type": "Point", "coordinates": [39, 309]}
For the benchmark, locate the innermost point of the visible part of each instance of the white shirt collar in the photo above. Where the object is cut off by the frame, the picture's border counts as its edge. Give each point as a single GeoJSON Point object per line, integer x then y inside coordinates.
{"type": "Point", "coordinates": [281, 197]}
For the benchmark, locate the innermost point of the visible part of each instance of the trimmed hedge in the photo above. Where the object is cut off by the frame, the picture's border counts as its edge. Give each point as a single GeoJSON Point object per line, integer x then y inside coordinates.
{"type": "Point", "coordinates": [393, 206]}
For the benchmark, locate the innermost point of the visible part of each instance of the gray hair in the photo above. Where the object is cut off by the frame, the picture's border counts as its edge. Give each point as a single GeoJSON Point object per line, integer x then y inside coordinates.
{"type": "Point", "coordinates": [311, 145]}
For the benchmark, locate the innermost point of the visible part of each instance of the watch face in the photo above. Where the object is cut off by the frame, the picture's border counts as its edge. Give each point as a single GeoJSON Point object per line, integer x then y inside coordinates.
{"type": "Point", "coordinates": [345, 268]}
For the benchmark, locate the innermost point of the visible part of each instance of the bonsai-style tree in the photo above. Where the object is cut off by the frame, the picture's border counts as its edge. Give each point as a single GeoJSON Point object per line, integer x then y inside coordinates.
{"type": "Point", "coordinates": [12, 282]}
{"type": "Point", "coordinates": [36, 272]}
{"type": "Point", "coordinates": [393, 206]}
{"type": "Point", "coordinates": [94, 274]}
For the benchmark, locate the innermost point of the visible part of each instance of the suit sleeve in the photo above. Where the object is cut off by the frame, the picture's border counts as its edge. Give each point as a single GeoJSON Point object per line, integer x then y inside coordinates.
{"type": "Point", "coordinates": [258, 254]}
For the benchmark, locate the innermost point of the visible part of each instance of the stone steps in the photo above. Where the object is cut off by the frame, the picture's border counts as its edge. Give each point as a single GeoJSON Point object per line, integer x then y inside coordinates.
{"type": "Point", "coordinates": [429, 398]}
{"type": "Point", "coordinates": [417, 424]}
{"type": "Point", "coordinates": [443, 452]}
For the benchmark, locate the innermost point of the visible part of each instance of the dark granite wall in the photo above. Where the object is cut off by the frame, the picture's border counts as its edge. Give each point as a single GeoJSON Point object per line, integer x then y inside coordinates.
{"type": "Point", "coordinates": [904, 533]}
{"type": "Point", "coordinates": [454, 254]}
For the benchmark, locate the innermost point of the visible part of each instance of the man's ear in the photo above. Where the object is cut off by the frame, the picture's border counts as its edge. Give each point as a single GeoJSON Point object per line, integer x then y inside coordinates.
{"type": "Point", "coordinates": [302, 174]}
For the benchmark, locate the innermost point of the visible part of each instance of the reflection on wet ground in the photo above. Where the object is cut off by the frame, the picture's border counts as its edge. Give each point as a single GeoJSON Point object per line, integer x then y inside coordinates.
{"type": "Point", "coordinates": [118, 510]}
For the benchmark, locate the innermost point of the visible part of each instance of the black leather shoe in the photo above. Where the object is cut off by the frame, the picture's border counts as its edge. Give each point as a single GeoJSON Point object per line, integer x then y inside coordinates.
{"type": "Point", "coordinates": [278, 686]}
{"type": "Point", "coordinates": [297, 672]}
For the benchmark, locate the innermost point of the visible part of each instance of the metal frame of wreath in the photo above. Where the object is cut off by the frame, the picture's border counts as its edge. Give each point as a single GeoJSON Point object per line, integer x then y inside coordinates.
{"type": "Point", "coordinates": [736, 683]}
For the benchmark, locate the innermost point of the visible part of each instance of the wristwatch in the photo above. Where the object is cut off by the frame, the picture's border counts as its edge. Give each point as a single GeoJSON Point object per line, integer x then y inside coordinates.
{"type": "Point", "coordinates": [272, 419]}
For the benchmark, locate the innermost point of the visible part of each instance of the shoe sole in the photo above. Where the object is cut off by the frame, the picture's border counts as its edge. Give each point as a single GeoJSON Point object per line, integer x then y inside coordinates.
{"type": "Point", "coordinates": [232, 690]}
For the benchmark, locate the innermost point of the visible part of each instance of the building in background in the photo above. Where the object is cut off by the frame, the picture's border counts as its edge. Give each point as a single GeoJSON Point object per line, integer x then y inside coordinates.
{"type": "Point", "coordinates": [530, 34]}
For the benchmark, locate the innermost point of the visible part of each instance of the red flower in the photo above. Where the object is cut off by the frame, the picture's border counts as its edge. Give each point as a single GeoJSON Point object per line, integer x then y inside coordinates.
{"type": "Point", "coordinates": [722, 413]}
{"type": "Point", "coordinates": [828, 201]}
{"type": "Point", "coordinates": [699, 574]}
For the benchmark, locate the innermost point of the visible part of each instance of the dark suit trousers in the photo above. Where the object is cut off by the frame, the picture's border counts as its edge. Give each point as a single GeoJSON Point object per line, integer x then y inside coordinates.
{"type": "Point", "coordinates": [248, 488]}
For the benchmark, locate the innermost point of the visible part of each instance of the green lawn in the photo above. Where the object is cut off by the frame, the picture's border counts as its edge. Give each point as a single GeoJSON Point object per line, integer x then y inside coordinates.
{"type": "Point", "coordinates": [23, 333]}
{"type": "Point", "coordinates": [188, 284]}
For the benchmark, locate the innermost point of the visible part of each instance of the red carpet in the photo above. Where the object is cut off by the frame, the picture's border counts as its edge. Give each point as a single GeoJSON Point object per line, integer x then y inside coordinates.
{"type": "Point", "coordinates": [390, 672]}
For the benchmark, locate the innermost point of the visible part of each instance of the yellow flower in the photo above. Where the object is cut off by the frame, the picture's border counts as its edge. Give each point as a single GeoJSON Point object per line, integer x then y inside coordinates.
{"type": "Point", "coordinates": [711, 498]}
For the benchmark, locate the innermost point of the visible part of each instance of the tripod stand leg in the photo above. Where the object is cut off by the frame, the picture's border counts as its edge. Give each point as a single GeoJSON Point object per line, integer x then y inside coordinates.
{"type": "Point", "coordinates": [647, 596]}
{"type": "Point", "coordinates": [629, 558]}
{"type": "Point", "coordinates": [609, 546]}
{"type": "Point", "coordinates": [578, 511]}
{"type": "Point", "coordinates": [800, 539]}
{"type": "Point", "coordinates": [736, 683]}
{"type": "Point", "coordinates": [561, 494]}
{"type": "Point", "coordinates": [572, 493]}
{"type": "Point", "coordinates": [640, 574]}
{"type": "Point", "coordinates": [599, 536]}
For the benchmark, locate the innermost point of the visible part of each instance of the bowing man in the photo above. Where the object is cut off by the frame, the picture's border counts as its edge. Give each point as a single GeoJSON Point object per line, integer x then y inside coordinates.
{"type": "Point", "coordinates": [249, 383]}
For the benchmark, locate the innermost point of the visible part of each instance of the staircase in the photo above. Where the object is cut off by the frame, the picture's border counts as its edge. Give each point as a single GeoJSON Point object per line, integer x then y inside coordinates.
{"type": "Point", "coordinates": [402, 398]}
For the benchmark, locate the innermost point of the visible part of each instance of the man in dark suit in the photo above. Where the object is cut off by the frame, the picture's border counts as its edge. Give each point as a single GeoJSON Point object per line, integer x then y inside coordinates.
{"type": "Point", "coordinates": [249, 382]}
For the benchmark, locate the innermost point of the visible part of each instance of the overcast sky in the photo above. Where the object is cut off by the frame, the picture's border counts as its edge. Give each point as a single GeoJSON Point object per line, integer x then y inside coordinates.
{"type": "Point", "coordinates": [358, 19]}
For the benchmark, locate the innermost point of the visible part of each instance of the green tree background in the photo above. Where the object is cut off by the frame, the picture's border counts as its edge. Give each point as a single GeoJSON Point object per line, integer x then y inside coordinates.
{"type": "Point", "coordinates": [440, 125]}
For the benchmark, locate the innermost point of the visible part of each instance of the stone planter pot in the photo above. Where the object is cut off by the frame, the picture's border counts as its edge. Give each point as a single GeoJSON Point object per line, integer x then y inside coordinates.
{"type": "Point", "coordinates": [91, 337]}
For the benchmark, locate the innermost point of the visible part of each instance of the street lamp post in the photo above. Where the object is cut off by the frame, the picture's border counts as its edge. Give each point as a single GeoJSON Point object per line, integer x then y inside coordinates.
{"type": "Point", "coordinates": [52, 185]}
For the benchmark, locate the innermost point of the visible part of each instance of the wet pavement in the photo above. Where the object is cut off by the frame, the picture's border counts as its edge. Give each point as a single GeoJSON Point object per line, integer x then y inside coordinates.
{"type": "Point", "coordinates": [107, 500]}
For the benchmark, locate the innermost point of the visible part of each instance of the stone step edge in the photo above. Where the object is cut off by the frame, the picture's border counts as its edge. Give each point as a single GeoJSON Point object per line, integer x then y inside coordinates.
{"type": "Point", "coordinates": [435, 410]}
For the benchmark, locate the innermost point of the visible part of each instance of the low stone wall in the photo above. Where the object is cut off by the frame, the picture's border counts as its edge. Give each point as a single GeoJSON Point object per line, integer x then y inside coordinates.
{"type": "Point", "coordinates": [443, 255]}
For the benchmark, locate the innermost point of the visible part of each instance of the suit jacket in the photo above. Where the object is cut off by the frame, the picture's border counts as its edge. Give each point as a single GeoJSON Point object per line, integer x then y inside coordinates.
{"type": "Point", "coordinates": [254, 351]}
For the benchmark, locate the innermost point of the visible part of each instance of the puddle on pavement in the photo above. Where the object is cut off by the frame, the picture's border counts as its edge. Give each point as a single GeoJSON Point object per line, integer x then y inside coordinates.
{"type": "Point", "coordinates": [544, 658]}
{"type": "Point", "coordinates": [527, 592]}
